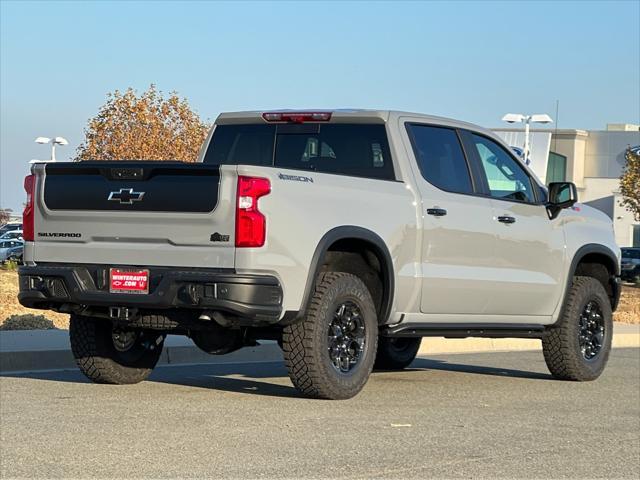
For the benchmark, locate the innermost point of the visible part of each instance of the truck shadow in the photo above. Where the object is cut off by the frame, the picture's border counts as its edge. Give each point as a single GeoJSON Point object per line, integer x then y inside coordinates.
{"type": "Point", "coordinates": [443, 365]}
{"type": "Point", "coordinates": [269, 378]}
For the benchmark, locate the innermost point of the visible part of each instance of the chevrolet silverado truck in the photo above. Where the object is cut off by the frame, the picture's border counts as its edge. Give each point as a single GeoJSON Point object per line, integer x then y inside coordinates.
{"type": "Point", "coordinates": [346, 236]}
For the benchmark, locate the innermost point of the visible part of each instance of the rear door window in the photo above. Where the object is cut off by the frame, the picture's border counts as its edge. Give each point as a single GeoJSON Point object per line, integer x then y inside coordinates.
{"type": "Point", "coordinates": [440, 157]}
{"type": "Point", "coordinates": [360, 150]}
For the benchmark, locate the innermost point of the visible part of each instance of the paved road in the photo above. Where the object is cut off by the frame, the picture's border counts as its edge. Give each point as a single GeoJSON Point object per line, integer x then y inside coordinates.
{"type": "Point", "coordinates": [483, 415]}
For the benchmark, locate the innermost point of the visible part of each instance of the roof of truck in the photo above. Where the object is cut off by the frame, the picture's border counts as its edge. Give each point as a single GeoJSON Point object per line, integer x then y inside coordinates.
{"type": "Point", "coordinates": [350, 115]}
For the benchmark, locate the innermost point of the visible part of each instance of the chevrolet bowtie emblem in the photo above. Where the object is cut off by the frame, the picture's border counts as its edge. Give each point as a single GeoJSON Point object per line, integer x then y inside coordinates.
{"type": "Point", "coordinates": [126, 196]}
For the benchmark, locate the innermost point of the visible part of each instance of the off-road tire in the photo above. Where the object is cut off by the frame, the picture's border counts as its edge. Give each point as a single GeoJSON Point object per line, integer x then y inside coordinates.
{"type": "Point", "coordinates": [396, 353]}
{"type": "Point", "coordinates": [101, 362]}
{"type": "Point", "coordinates": [560, 344]}
{"type": "Point", "coordinates": [306, 347]}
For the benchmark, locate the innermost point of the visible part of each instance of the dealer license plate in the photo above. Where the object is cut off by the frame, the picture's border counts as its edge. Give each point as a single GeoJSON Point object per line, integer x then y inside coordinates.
{"type": "Point", "coordinates": [128, 281]}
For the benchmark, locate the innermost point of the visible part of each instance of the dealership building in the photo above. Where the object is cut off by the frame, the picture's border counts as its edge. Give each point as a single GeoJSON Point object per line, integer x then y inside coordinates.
{"type": "Point", "coordinates": [593, 160]}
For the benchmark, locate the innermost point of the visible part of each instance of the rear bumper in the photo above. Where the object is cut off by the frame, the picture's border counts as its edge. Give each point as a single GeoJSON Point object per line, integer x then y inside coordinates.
{"type": "Point", "coordinates": [254, 299]}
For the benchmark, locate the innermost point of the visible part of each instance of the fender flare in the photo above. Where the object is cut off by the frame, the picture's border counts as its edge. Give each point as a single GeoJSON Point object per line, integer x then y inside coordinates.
{"type": "Point", "coordinates": [358, 233]}
{"type": "Point", "coordinates": [577, 257]}
{"type": "Point", "coordinates": [589, 248]}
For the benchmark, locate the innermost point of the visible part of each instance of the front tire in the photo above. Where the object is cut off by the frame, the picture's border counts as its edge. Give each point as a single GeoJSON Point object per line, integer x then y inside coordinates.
{"type": "Point", "coordinates": [108, 354]}
{"type": "Point", "coordinates": [578, 346]}
{"type": "Point", "coordinates": [330, 353]}
{"type": "Point", "coordinates": [396, 353]}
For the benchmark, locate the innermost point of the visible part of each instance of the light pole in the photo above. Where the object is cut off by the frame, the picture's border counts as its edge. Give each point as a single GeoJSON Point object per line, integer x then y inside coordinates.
{"type": "Point", "coordinates": [54, 141]}
{"type": "Point", "coordinates": [526, 119]}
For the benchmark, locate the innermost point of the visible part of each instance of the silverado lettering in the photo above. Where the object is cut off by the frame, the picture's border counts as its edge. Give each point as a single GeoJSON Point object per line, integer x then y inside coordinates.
{"type": "Point", "coordinates": [59, 234]}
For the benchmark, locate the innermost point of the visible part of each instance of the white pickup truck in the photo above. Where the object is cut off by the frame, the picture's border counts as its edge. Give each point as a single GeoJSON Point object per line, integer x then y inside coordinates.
{"type": "Point", "coordinates": [345, 235]}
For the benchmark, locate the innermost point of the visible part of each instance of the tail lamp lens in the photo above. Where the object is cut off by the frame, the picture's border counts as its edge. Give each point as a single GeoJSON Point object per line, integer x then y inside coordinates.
{"type": "Point", "coordinates": [296, 117]}
{"type": "Point", "coordinates": [251, 224]}
{"type": "Point", "coordinates": [27, 214]}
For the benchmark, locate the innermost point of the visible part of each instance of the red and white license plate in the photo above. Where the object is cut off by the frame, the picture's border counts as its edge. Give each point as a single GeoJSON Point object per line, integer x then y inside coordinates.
{"type": "Point", "coordinates": [128, 281]}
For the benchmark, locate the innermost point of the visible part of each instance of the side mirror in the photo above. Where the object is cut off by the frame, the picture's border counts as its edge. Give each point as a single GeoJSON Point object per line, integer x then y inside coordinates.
{"type": "Point", "coordinates": [561, 195]}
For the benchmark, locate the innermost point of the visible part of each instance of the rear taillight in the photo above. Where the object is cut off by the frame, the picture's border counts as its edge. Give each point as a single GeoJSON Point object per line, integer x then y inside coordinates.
{"type": "Point", "coordinates": [251, 225]}
{"type": "Point", "coordinates": [296, 117]}
{"type": "Point", "coordinates": [27, 214]}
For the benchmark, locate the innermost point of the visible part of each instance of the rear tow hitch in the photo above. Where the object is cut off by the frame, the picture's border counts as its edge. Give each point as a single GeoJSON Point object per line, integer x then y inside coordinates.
{"type": "Point", "coordinates": [122, 313]}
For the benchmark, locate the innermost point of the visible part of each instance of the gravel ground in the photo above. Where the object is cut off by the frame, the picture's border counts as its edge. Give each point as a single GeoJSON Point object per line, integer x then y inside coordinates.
{"type": "Point", "coordinates": [494, 415]}
{"type": "Point", "coordinates": [16, 317]}
{"type": "Point", "coordinates": [629, 308]}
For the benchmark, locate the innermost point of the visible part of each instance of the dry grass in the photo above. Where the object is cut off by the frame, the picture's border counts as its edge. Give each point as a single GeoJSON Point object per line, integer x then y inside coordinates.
{"type": "Point", "coordinates": [629, 308]}
{"type": "Point", "coordinates": [14, 316]}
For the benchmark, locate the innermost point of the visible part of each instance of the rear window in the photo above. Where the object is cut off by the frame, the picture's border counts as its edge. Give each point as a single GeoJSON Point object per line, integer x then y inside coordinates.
{"type": "Point", "coordinates": [359, 150]}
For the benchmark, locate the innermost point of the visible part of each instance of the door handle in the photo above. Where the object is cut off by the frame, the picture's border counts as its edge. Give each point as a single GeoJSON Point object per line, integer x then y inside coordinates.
{"type": "Point", "coordinates": [506, 219]}
{"type": "Point", "coordinates": [436, 212]}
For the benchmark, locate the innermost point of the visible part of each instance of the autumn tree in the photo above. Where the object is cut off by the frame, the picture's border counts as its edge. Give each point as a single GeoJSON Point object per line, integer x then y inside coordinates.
{"type": "Point", "coordinates": [630, 183]}
{"type": "Point", "coordinates": [5, 215]}
{"type": "Point", "coordinates": [143, 127]}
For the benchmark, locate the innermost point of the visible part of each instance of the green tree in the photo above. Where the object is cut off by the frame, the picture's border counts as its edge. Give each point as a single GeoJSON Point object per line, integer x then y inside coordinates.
{"type": "Point", "coordinates": [630, 183]}
{"type": "Point", "coordinates": [143, 127]}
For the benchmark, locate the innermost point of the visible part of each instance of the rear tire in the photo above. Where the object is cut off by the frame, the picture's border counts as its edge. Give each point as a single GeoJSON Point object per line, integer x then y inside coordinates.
{"type": "Point", "coordinates": [396, 353]}
{"type": "Point", "coordinates": [106, 354]}
{"type": "Point", "coordinates": [330, 353]}
{"type": "Point", "coordinates": [578, 346]}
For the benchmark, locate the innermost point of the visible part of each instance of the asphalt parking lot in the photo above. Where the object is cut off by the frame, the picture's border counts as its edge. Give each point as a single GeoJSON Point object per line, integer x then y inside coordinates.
{"type": "Point", "coordinates": [481, 415]}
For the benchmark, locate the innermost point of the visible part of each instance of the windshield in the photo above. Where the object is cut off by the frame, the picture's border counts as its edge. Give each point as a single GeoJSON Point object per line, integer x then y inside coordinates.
{"type": "Point", "coordinates": [631, 253]}
{"type": "Point", "coordinates": [359, 150]}
{"type": "Point", "coordinates": [12, 234]}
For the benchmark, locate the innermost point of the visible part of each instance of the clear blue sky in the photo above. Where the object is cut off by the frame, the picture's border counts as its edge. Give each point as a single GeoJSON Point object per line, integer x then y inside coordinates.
{"type": "Point", "coordinates": [473, 61]}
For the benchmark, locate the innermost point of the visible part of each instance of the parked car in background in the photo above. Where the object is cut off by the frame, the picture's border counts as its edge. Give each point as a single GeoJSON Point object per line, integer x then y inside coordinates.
{"type": "Point", "coordinates": [11, 235]}
{"type": "Point", "coordinates": [15, 254]}
{"type": "Point", "coordinates": [11, 250]}
{"type": "Point", "coordinates": [9, 227]}
{"type": "Point", "coordinates": [630, 263]}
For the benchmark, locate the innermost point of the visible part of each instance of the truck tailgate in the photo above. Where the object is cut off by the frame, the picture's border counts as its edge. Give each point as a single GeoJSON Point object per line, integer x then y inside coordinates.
{"type": "Point", "coordinates": [135, 213]}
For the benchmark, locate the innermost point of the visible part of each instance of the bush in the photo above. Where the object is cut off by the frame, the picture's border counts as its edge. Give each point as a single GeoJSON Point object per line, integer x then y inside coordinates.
{"type": "Point", "coordinates": [27, 321]}
{"type": "Point", "coordinates": [9, 265]}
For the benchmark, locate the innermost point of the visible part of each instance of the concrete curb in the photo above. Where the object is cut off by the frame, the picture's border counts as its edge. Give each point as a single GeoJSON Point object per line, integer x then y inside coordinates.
{"type": "Point", "coordinates": [50, 350]}
{"type": "Point", "coordinates": [476, 345]}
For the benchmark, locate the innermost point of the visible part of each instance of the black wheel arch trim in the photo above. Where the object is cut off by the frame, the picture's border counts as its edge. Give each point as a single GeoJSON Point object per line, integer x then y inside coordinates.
{"type": "Point", "coordinates": [590, 248]}
{"type": "Point", "coordinates": [343, 233]}
{"type": "Point", "coordinates": [582, 252]}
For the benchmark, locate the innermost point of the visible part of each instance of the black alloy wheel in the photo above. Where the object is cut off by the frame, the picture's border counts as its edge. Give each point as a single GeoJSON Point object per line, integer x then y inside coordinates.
{"type": "Point", "coordinates": [347, 337]}
{"type": "Point", "coordinates": [592, 330]}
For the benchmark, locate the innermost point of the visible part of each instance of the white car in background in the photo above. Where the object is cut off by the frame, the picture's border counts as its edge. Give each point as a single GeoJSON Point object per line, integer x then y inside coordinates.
{"type": "Point", "coordinates": [11, 249]}
{"type": "Point", "coordinates": [11, 235]}
{"type": "Point", "coordinates": [7, 227]}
